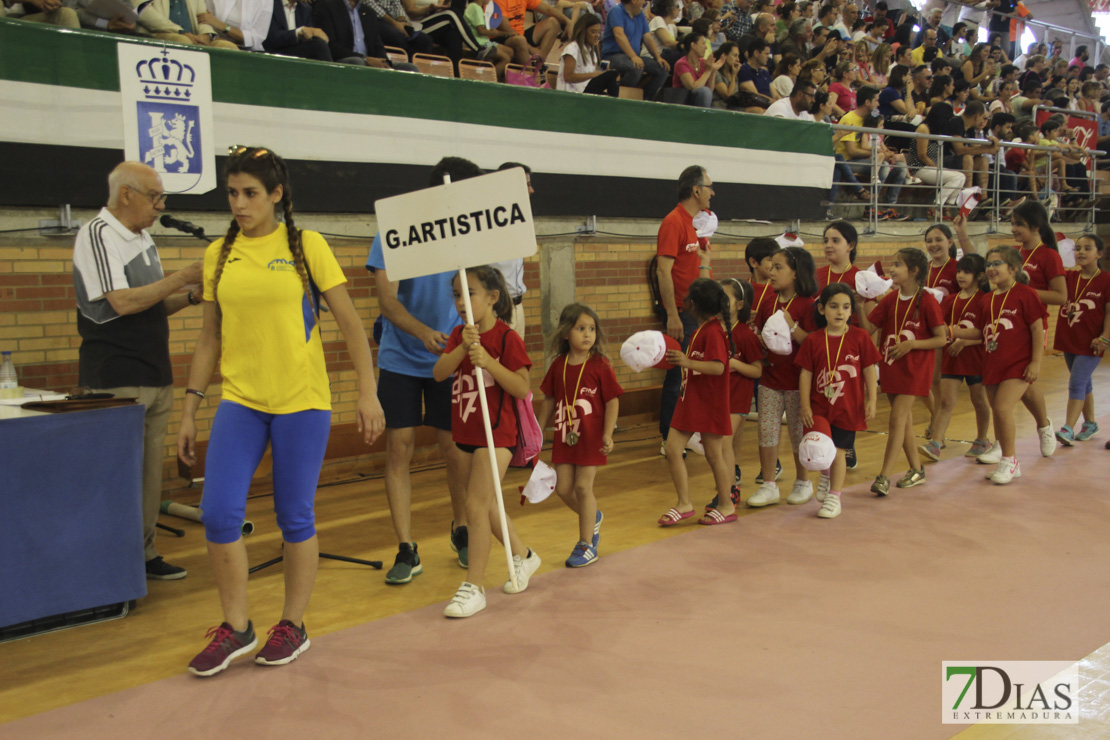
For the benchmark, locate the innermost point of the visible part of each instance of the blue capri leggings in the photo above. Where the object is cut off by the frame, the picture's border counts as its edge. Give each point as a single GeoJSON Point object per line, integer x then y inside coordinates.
{"type": "Point", "coordinates": [238, 441]}
{"type": "Point", "coordinates": [1081, 367]}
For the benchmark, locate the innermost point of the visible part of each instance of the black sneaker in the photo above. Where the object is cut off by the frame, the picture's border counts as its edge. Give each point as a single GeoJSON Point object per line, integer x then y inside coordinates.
{"type": "Point", "coordinates": [406, 565]}
{"type": "Point", "coordinates": [159, 570]}
{"type": "Point", "coordinates": [460, 542]}
{"type": "Point", "coordinates": [736, 476]}
{"type": "Point", "coordinates": [778, 473]}
{"type": "Point", "coordinates": [850, 459]}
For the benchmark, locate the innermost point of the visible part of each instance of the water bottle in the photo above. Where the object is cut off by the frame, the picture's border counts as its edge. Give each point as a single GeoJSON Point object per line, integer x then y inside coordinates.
{"type": "Point", "coordinates": [9, 381]}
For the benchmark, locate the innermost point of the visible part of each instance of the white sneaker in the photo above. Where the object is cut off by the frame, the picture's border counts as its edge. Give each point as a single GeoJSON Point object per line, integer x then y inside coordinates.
{"type": "Point", "coordinates": [468, 601]}
{"type": "Point", "coordinates": [765, 495]}
{"type": "Point", "coordinates": [1048, 440]}
{"type": "Point", "coordinates": [1008, 469]}
{"type": "Point", "coordinates": [824, 483]}
{"type": "Point", "coordinates": [525, 567]}
{"type": "Point", "coordinates": [801, 493]}
{"type": "Point", "coordinates": [994, 455]}
{"type": "Point", "coordinates": [830, 509]}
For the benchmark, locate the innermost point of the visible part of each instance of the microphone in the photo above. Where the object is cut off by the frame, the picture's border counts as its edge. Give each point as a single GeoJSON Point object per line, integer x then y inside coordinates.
{"type": "Point", "coordinates": [172, 223]}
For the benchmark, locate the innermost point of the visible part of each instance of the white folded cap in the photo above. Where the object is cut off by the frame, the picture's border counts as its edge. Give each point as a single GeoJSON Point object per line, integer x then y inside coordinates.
{"type": "Point", "coordinates": [938, 293]}
{"type": "Point", "coordinates": [869, 285]}
{"type": "Point", "coordinates": [646, 349]}
{"type": "Point", "coordinates": [968, 199]}
{"type": "Point", "coordinates": [776, 334]}
{"type": "Point", "coordinates": [540, 485]}
{"type": "Point", "coordinates": [787, 239]}
{"type": "Point", "coordinates": [1067, 251]}
{"type": "Point", "coordinates": [816, 450]}
{"type": "Point", "coordinates": [705, 222]}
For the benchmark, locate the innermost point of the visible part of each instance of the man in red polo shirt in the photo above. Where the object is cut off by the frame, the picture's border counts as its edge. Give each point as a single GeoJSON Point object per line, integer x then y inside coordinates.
{"type": "Point", "coordinates": [683, 257]}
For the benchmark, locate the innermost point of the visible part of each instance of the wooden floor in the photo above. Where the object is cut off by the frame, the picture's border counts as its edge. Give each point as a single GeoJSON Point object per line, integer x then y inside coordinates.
{"type": "Point", "coordinates": [159, 638]}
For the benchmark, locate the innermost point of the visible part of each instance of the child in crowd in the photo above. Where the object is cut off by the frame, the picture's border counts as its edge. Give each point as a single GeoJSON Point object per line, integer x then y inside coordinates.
{"type": "Point", "coordinates": [581, 391]}
{"type": "Point", "coordinates": [745, 365]}
{"type": "Point", "coordinates": [703, 403]}
{"type": "Point", "coordinates": [841, 239]}
{"type": "Point", "coordinates": [1083, 335]}
{"type": "Point", "coordinates": [1013, 335]}
{"type": "Point", "coordinates": [908, 325]}
{"type": "Point", "coordinates": [491, 345]}
{"type": "Point", "coordinates": [497, 54]}
{"type": "Point", "coordinates": [1020, 162]}
{"type": "Point", "coordinates": [1045, 270]}
{"type": "Point", "coordinates": [792, 278]}
{"type": "Point", "coordinates": [838, 382]}
{"type": "Point", "coordinates": [757, 255]}
{"type": "Point", "coordinates": [962, 359]}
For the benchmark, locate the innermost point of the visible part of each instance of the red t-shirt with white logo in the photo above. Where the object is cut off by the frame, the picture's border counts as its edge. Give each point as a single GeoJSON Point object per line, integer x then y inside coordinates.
{"type": "Point", "coordinates": [962, 313]}
{"type": "Point", "coordinates": [943, 277]}
{"type": "Point", "coordinates": [1005, 318]}
{"type": "Point", "coordinates": [900, 320]}
{"type": "Point", "coordinates": [1081, 318]}
{"type": "Point", "coordinates": [745, 349]}
{"type": "Point", "coordinates": [847, 356]}
{"type": "Point", "coordinates": [502, 343]}
{"type": "Point", "coordinates": [598, 386]}
{"type": "Point", "coordinates": [779, 371]}
{"type": "Point", "coordinates": [678, 239]}
{"type": "Point", "coordinates": [1042, 265]}
{"type": "Point", "coordinates": [703, 402]}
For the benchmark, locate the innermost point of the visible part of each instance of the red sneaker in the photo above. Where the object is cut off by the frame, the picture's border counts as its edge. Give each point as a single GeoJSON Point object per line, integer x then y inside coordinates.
{"type": "Point", "coordinates": [286, 642]}
{"type": "Point", "coordinates": [226, 646]}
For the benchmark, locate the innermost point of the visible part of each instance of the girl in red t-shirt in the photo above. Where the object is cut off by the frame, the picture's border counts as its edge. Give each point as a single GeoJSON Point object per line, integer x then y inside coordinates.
{"type": "Point", "coordinates": [792, 278]}
{"type": "Point", "coordinates": [908, 326]}
{"type": "Point", "coordinates": [1083, 334]}
{"type": "Point", "coordinates": [580, 391]}
{"type": "Point", "coordinates": [703, 404]}
{"type": "Point", "coordinates": [491, 345]}
{"type": "Point", "coordinates": [1013, 335]}
{"type": "Point", "coordinates": [745, 365]}
{"type": "Point", "coordinates": [940, 247]}
{"type": "Point", "coordinates": [838, 381]}
{"type": "Point", "coordinates": [962, 359]}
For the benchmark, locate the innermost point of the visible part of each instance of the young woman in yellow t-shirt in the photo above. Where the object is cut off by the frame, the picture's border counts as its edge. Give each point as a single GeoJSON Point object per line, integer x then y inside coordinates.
{"type": "Point", "coordinates": [261, 322]}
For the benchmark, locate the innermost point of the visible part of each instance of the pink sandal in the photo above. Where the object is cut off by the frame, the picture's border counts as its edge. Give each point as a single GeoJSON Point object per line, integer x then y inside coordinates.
{"type": "Point", "coordinates": [713, 517]}
{"type": "Point", "coordinates": [673, 517]}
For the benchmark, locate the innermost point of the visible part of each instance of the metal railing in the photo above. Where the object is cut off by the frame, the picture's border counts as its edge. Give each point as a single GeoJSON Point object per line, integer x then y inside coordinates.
{"type": "Point", "coordinates": [1093, 37]}
{"type": "Point", "coordinates": [1045, 194]}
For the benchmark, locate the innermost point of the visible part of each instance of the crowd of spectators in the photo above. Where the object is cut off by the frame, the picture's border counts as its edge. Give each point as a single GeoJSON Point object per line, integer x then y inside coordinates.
{"type": "Point", "coordinates": [862, 65]}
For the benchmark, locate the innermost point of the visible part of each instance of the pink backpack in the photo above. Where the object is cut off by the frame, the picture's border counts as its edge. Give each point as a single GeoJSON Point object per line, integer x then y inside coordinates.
{"type": "Point", "coordinates": [529, 436]}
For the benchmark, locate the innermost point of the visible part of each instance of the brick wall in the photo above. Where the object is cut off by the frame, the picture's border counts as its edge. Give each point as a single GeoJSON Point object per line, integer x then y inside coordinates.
{"type": "Point", "coordinates": [38, 319]}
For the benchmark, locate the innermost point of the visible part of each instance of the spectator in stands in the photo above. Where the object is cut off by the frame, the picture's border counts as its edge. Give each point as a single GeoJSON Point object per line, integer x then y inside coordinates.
{"type": "Point", "coordinates": [52, 12]}
{"type": "Point", "coordinates": [353, 37]}
{"type": "Point", "coordinates": [787, 13]}
{"type": "Point", "coordinates": [849, 14]}
{"type": "Point", "coordinates": [892, 98]}
{"type": "Point", "coordinates": [827, 15]}
{"type": "Point", "coordinates": [880, 65]}
{"type": "Point", "coordinates": [862, 58]}
{"type": "Point", "coordinates": [814, 71]}
{"type": "Point", "coordinates": [1004, 187]}
{"type": "Point", "coordinates": [926, 154]}
{"type": "Point", "coordinates": [1001, 104]}
{"type": "Point", "coordinates": [798, 36]}
{"type": "Point", "coordinates": [786, 75]}
{"type": "Point", "coordinates": [1034, 69]}
{"type": "Point", "coordinates": [1003, 55]}
{"type": "Point", "coordinates": [1104, 134]}
{"type": "Point", "coordinates": [693, 73]}
{"type": "Point", "coordinates": [579, 70]}
{"type": "Point", "coordinates": [1008, 73]}
{"type": "Point", "coordinates": [664, 27]}
{"type": "Point", "coordinates": [291, 35]}
{"type": "Point", "coordinates": [1081, 57]}
{"type": "Point", "coordinates": [921, 80]}
{"type": "Point", "coordinates": [736, 19]}
{"type": "Point", "coordinates": [1090, 94]}
{"type": "Point", "coordinates": [841, 87]}
{"type": "Point", "coordinates": [440, 23]}
{"type": "Point", "coordinates": [904, 55]}
{"type": "Point", "coordinates": [1102, 74]}
{"type": "Point", "coordinates": [856, 150]}
{"type": "Point", "coordinates": [941, 90]}
{"type": "Point", "coordinates": [977, 70]}
{"type": "Point", "coordinates": [959, 48]}
{"type": "Point", "coordinates": [173, 21]}
{"type": "Point", "coordinates": [497, 54]}
{"type": "Point", "coordinates": [928, 41]}
{"type": "Point", "coordinates": [550, 25]}
{"type": "Point", "coordinates": [932, 23]}
{"type": "Point", "coordinates": [1022, 105]}
{"type": "Point", "coordinates": [797, 105]}
{"type": "Point", "coordinates": [882, 15]}
{"type": "Point", "coordinates": [1021, 161]}
{"type": "Point", "coordinates": [873, 35]}
{"type": "Point", "coordinates": [755, 81]}
{"type": "Point", "coordinates": [763, 27]}
{"type": "Point", "coordinates": [503, 32]}
{"type": "Point", "coordinates": [961, 91]}
{"type": "Point", "coordinates": [626, 30]}
{"type": "Point", "coordinates": [245, 23]}
{"type": "Point", "coordinates": [903, 32]}
{"type": "Point", "coordinates": [970, 158]}
{"type": "Point", "coordinates": [999, 25]}
{"type": "Point", "coordinates": [682, 257]}
{"type": "Point", "coordinates": [727, 84]}
{"type": "Point", "coordinates": [123, 299]}
{"type": "Point", "coordinates": [1032, 50]}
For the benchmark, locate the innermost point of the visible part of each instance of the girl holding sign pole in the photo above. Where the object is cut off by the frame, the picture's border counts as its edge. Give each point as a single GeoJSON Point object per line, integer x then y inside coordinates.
{"type": "Point", "coordinates": [491, 345]}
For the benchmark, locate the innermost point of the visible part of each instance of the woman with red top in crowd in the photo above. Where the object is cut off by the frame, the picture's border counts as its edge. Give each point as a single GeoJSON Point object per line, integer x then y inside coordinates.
{"type": "Point", "coordinates": [1083, 335]}
{"type": "Point", "coordinates": [703, 404]}
{"type": "Point", "coordinates": [1013, 336]}
{"type": "Point", "coordinates": [1041, 262]}
{"type": "Point", "coordinates": [499, 351]}
{"type": "Point", "coordinates": [908, 326]}
{"type": "Point", "coordinates": [962, 359]}
{"type": "Point", "coordinates": [793, 280]}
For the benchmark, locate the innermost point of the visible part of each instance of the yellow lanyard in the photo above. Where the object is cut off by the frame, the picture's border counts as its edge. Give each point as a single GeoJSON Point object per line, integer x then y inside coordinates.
{"type": "Point", "coordinates": [904, 318]}
{"type": "Point", "coordinates": [761, 294]}
{"type": "Point", "coordinates": [1029, 257]}
{"type": "Point", "coordinates": [577, 385]}
{"type": "Point", "coordinates": [933, 283]}
{"type": "Point", "coordinates": [962, 312]}
{"type": "Point", "coordinates": [1079, 293]}
{"type": "Point", "coordinates": [995, 319]}
{"type": "Point", "coordinates": [831, 281]}
{"type": "Point", "coordinates": [833, 363]}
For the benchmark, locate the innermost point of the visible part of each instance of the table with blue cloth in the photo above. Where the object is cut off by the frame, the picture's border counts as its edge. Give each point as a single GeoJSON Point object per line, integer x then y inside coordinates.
{"type": "Point", "coordinates": [71, 537]}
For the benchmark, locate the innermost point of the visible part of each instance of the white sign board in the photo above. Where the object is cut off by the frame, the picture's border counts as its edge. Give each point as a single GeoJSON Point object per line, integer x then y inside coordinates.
{"type": "Point", "coordinates": [464, 224]}
{"type": "Point", "coordinates": [167, 114]}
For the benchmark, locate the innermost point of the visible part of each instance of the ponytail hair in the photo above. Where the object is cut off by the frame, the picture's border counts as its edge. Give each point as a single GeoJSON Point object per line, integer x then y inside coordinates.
{"type": "Point", "coordinates": [707, 300]}
{"type": "Point", "coordinates": [915, 259]}
{"type": "Point", "coordinates": [1033, 214]}
{"type": "Point", "coordinates": [846, 230]}
{"type": "Point", "coordinates": [974, 264]}
{"type": "Point", "coordinates": [1011, 257]}
{"type": "Point", "coordinates": [805, 271]}
{"type": "Point", "coordinates": [490, 278]}
{"type": "Point", "coordinates": [742, 291]}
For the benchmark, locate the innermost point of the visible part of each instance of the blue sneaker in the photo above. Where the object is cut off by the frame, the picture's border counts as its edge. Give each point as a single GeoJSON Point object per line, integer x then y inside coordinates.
{"type": "Point", "coordinates": [584, 554]}
{"type": "Point", "coordinates": [778, 473]}
{"type": "Point", "coordinates": [1066, 436]}
{"type": "Point", "coordinates": [597, 530]}
{"type": "Point", "coordinates": [1088, 430]}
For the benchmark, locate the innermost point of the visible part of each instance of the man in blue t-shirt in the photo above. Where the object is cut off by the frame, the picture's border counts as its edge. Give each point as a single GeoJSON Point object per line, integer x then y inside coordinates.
{"type": "Point", "coordinates": [418, 316]}
{"type": "Point", "coordinates": [626, 30]}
